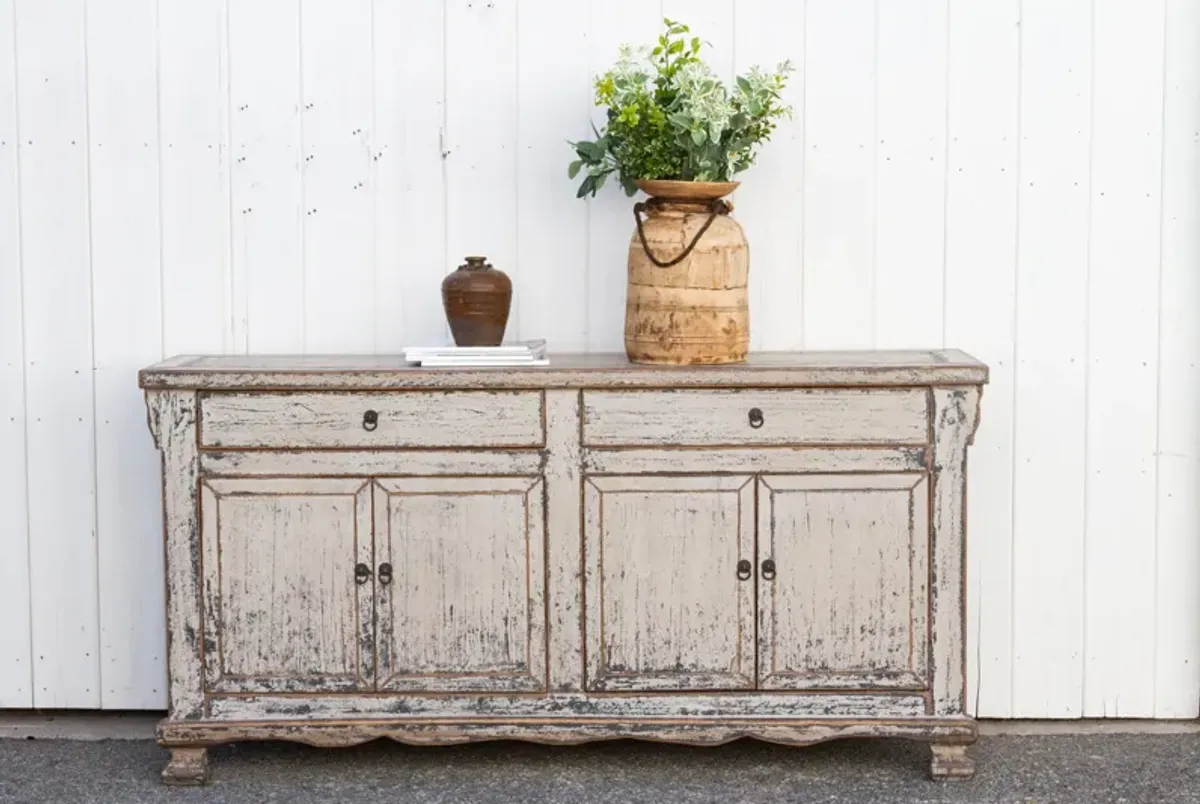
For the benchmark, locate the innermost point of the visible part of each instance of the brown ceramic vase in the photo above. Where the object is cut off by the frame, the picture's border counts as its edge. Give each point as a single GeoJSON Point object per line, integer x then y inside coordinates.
{"type": "Point", "coordinates": [477, 298]}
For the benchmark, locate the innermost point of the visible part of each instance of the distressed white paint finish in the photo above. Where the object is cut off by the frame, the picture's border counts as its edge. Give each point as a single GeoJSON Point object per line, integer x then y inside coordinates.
{"type": "Point", "coordinates": [172, 417]}
{"type": "Point", "coordinates": [708, 418]}
{"type": "Point", "coordinates": [1018, 115]}
{"type": "Point", "coordinates": [465, 609]}
{"type": "Point", "coordinates": [350, 463]}
{"type": "Point", "coordinates": [564, 554]}
{"type": "Point", "coordinates": [473, 418]}
{"type": "Point", "coordinates": [666, 608]}
{"type": "Point", "coordinates": [743, 460]}
{"type": "Point", "coordinates": [955, 417]}
{"type": "Point", "coordinates": [849, 604]}
{"type": "Point", "coordinates": [828, 706]}
{"type": "Point", "coordinates": [390, 371]}
{"type": "Point", "coordinates": [283, 609]}
{"type": "Point", "coordinates": [455, 596]}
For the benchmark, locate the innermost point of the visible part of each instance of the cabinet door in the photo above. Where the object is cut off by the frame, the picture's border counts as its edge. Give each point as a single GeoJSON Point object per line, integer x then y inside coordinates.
{"type": "Point", "coordinates": [463, 606]}
{"type": "Point", "coordinates": [666, 608]}
{"type": "Point", "coordinates": [284, 610]}
{"type": "Point", "coordinates": [846, 605]}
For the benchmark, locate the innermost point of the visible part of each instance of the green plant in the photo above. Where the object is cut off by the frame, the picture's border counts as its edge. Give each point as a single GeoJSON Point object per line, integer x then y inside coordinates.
{"type": "Point", "coordinates": [670, 117]}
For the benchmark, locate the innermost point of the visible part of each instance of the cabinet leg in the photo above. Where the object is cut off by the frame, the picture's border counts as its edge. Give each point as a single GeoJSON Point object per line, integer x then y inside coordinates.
{"type": "Point", "coordinates": [950, 761]}
{"type": "Point", "coordinates": [187, 766]}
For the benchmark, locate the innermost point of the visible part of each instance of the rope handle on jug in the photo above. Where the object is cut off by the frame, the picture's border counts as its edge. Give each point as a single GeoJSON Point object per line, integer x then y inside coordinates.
{"type": "Point", "coordinates": [715, 208]}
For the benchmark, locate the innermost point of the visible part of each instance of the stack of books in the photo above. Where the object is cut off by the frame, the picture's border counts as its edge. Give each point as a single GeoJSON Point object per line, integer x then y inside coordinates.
{"type": "Point", "coordinates": [528, 353]}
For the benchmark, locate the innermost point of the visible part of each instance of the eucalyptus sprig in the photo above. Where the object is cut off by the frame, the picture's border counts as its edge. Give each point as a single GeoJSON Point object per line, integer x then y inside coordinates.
{"type": "Point", "coordinates": [670, 117]}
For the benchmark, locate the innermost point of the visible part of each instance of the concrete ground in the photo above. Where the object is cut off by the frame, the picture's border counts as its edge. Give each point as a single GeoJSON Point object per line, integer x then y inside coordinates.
{"type": "Point", "coordinates": [1153, 765]}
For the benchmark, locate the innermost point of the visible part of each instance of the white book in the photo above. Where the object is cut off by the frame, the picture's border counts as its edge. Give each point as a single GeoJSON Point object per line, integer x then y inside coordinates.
{"type": "Point", "coordinates": [480, 362]}
{"type": "Point", "coordinates": [532, 349]}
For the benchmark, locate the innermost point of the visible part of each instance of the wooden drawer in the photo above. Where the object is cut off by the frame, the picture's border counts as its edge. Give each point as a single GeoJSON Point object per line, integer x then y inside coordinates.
{"type": "Point", "coordinates": [372, 420]}
{"type": "Point", "coordinates": [749, 417]}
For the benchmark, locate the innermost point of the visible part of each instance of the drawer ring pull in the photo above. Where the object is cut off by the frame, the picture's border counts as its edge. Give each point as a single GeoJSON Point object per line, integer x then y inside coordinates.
{"type": "Point", "coordinates": [744, 570]}
{"type": "Point", "coordinates": [362, 574]}
{"type": "Point", "coordinates": [370, 420]}
{"type": "Point", "coordinates": [768, 569]}
{"type": "Point", "coordinates": [385, 573]}
{"type": "Point", "coordinates": [756, 418]}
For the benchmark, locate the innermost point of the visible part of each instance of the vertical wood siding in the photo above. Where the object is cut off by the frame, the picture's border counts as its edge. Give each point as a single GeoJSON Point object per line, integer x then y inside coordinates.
{"type": "Point", "coordinates": [1019, 180]}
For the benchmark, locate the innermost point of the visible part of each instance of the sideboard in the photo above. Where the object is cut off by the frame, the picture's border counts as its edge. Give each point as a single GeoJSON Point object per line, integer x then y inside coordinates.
{"type": "Point", "coordinates": [359, 549]}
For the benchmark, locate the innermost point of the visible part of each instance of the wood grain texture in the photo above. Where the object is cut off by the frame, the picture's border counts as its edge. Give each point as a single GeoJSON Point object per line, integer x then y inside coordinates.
{"type": "Point", "coordinates": [172, 418]}
{"type": "Point", "coordinates": [560, 593]}
{"type": "Point", "coordinates": [565, 574]}
{"type": "Point", "coordinates": [466, 609]}
{"type": "Point", "coordinates": [666, 609]}
{"type": "Point", "coordinates": [282, 609]}
{"type": "Point", "coordinates": [187, 766]}
{"type": "Point", "coordinates": [842, 704]}
{"type": "Point", "coordinates": [764, 370]}
{"type": "Point", "coordinates": [352, 463]}
{"type": "Point", "coordinates": [689, 731]}
{"type": "Point", "coordinates": [714, 417]}
{"type": "Point", "coordinates": [849, 606]}
{"type": "Point", "coordinates": [649, 460]}
{"type": "Point", "coordinates": [955, 417]}
{"type": "Point", "coordinates": [475, 419]}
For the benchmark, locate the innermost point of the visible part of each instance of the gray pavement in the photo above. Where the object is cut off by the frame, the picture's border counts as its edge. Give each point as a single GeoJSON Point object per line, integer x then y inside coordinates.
{"type": "Point", "coordinates": [1059, 769]}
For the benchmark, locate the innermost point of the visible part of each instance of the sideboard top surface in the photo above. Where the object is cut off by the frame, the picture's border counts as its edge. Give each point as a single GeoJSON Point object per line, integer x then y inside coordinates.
{"type": "Point", "coordinates": [763, 369]}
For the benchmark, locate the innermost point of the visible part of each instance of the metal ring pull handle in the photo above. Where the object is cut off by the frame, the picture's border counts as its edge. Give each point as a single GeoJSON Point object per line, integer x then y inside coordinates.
{"type": "Point", "coordinates": [385, 573]}
{"type": "Point", "coordinates": [370, 420]}
{"type": "Point", "coordinates": [756, 418]}
{"type": "Point", "coordinates": [744, 570]}
{"type": "Point", "coordinates": [768, 569]}
{"type": "Point", "coordinates": [362, 574]}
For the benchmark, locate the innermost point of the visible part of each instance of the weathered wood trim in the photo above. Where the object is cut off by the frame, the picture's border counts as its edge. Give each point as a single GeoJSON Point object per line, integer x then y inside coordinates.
{"type": "Point", "coordinates": [172, 417]}
{"type": "Point", "coordinates": [216, 678]}
{"type": "Point", "coordinates": [564, 532]}
{"type": "Point", "coordinates": [531, 676]}
{"type": "Point", "coordinates": [720, 417]}
{"type": "Point", "coordinates": [563, 731]}
{"type": "Point", "coordinates": [603, 678]}
{"type": "Point", "coordinates": [950, 761]}
{"type": "Point", "coordinates": [384, 372]}
{"type": "Point", "coordinates": [187, 766]}
{"type": "Point", "coordinates": [411, 463]}
{"type": "Point", "coordinates": [335, 420]}
{"type": "Point", "coordinates": [956, 415]}
{"type": "Point", "coordinates": [737, 460]}
{"type": "Point", "coordinates": [915, 676]}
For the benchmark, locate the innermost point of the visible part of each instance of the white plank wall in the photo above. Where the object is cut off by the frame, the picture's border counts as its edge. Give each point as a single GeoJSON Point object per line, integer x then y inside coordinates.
{"type": "Point", "coordinates": [1017, 179]}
